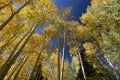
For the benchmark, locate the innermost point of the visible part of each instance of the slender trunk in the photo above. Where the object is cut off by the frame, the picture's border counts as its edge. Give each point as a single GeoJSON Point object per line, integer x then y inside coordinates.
{"type": "Point", "coordinates": [63, 55]}
{"type": "Point", "coordinates": [38, 73]}
{"type": "Point", "coordinates": [114, 72]}
{"type": "Point", "coordinates": [18, 71]}
{"type": "Point", "coordinates": [36, 64]}
{"type": "Point", "coordinates": [58, 59]}
{"type": "Point", "coordinates": [2, 7]}
{"type": "Point", "coordinates": [15, 68]}
{"type": "Point", "coordinates": [101, 53]}
{"type": "Point", "coordinates": [12, 15]}
{"type": "Point", "coordinates": [12, 53]}
{"type": "Point", "coordinates": [17, 53]}
{"type": "Point", "coordinates": [81, 59]}
{"type": "Point", "coordinates": [38, 69]}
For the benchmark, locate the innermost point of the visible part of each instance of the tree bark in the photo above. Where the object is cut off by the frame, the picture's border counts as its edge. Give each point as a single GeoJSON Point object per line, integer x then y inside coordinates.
{"type": "Point", "coordinates": [15, 68]}
{"type": "Point", "coordinates": [58, 59]}
{"type": "Point", "coordinates": [63, 55]}
{"type": "Point", "coordinates": [12, 15]}
{"type": "Point", "coordinates": [17, 53]}
{"type": "Point", "coordinates": [81, 59]}
{"type": "Point", "coordinates": [18, 71]}
{"type": "Point", "coordinates": [38, 72]}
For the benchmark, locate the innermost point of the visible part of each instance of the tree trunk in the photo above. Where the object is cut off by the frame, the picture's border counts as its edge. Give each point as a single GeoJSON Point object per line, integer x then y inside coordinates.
{"type": "Point", "coordinates": [15, 68]}
{"type": "Point", "coordinates": [17, 53]}
{"type": "Point", "coordinates": [18, 71]}
{"type": "Point", "coordinates": [58, 59]}
{"type": "Point", "coordinates": [32, 76]}
{"type": "Point", "coordinates": [82, 65]}
{"type": "Point", "coordinates": [81, 59]}
{"type": "Point", "coordinates": [38, 72]}
{"type": "Point", "coordinates": [109, 65]}
{"type": "Point", "coordinates": [12, 16]}
{"type": "Point", "coordinates": [101, 53]}
{"type": "Point", "coordinates": [12, 53]}
{"type": "Point", "coordinates": [63, 55]}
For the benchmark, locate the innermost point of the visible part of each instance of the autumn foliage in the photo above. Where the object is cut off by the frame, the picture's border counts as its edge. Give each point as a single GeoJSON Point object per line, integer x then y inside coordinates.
{"type": "Point", "coordinates": [26, 54]}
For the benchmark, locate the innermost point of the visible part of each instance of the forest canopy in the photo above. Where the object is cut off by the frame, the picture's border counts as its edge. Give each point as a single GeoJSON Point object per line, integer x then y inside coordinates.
{"type": "Point", "coordinates": [93, 44]}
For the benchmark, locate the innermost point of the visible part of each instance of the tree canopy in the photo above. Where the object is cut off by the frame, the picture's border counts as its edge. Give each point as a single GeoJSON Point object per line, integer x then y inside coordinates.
{"type": "Point", "coordinates": [94, 44]}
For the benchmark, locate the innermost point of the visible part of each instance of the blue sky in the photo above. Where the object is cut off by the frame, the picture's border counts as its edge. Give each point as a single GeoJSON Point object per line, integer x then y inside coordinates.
{"type": "Point", "coordinates": [78, 6]}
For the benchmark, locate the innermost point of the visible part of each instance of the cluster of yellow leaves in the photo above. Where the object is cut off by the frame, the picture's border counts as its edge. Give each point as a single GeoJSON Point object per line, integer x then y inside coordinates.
{"type": "Point", "coordinates": [66, 12]}
{"type": "Point", "coordinates": [53, 58]}
{"type": "Point", "coordinates": [35, 42]}
{"type": "Point", "coordinates": [50, 31]}
{"type": "Point", "coordinates": [73, 50]}
{"type": "Point", "coordinates": [90, 48]}
{"type": "Point", "coordinates": [104, 2]}
{"type": "Point", "coordinates": [89, 19]}
{"type": "Point", "coordinates": [82, 32]}
{"type": "Point", "coordinates": [30, 14]}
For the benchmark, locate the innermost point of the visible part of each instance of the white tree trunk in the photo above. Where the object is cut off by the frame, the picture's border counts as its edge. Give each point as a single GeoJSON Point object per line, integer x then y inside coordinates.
{"type": "Point", "coordinates": [63, 55]}
{"type": "Point", "coordinates": [82, 66]}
